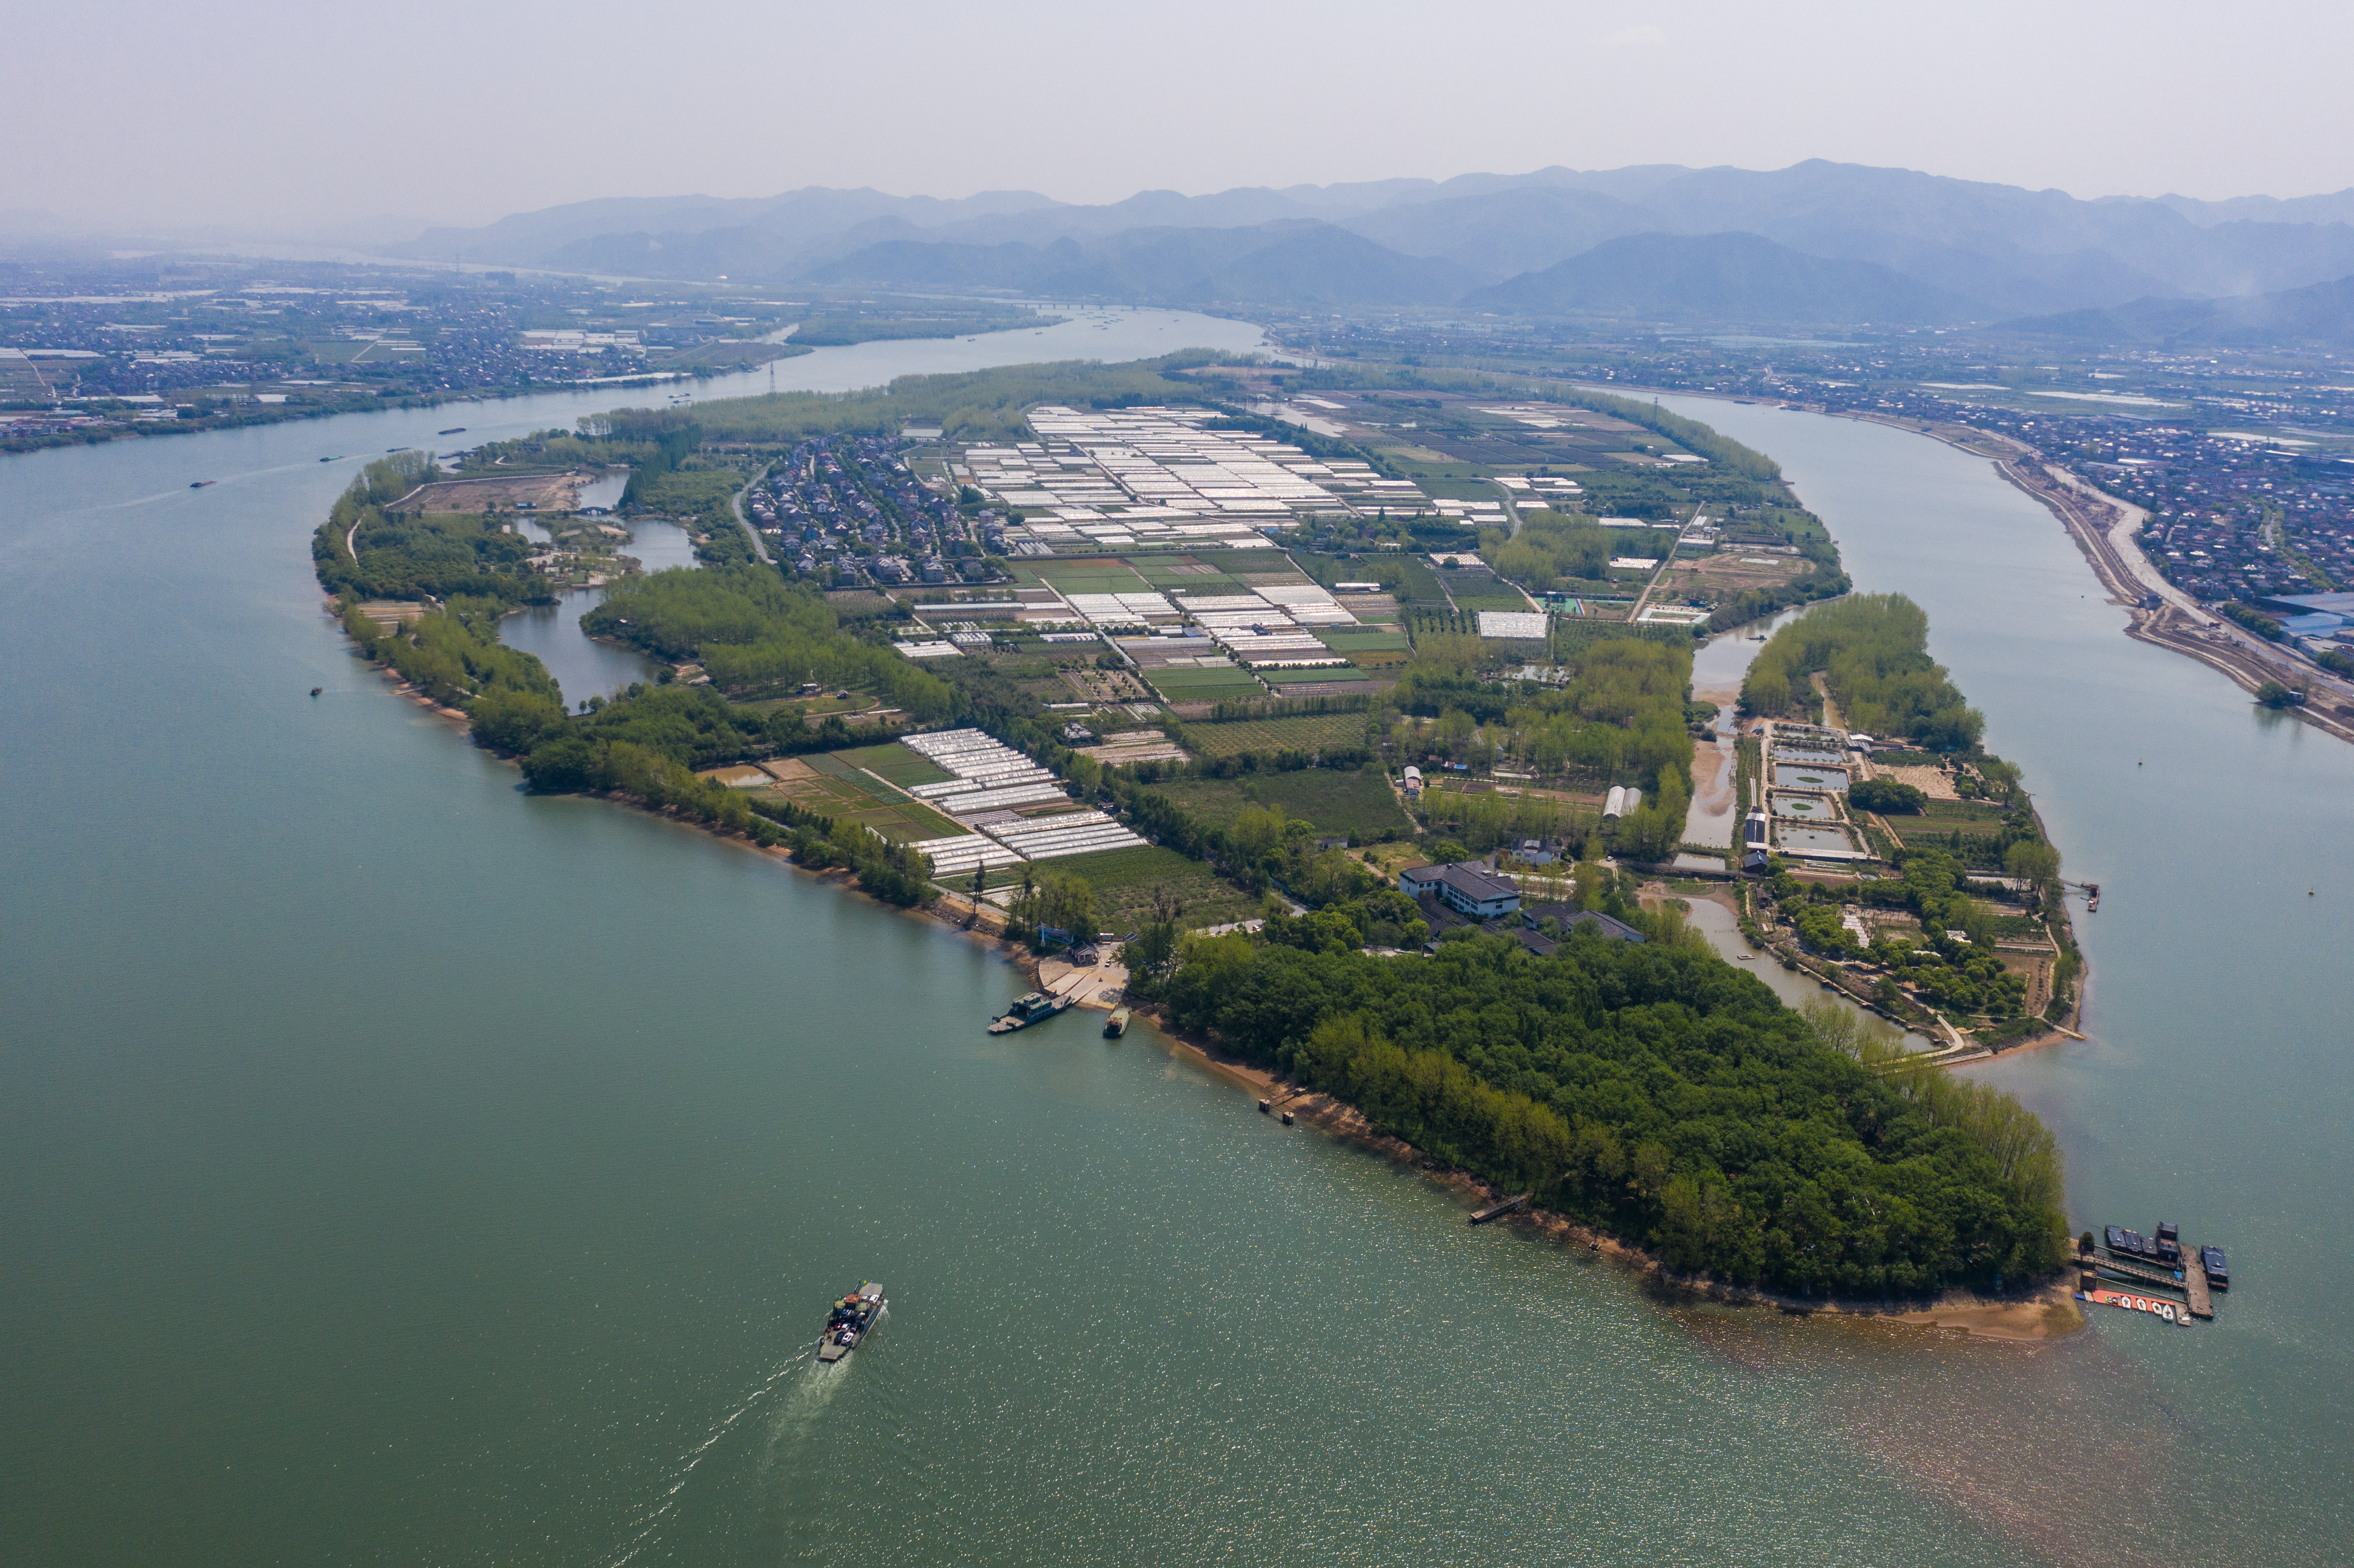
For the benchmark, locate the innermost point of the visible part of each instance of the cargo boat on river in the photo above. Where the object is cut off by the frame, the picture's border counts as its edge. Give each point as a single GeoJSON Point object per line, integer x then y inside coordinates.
{"type": "Point", "coordinates": [853, 1319]}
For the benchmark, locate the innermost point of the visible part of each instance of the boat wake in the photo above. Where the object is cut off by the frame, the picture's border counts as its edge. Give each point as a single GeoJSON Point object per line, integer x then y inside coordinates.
{"type": "Point", "coordinates": [644, 1529]}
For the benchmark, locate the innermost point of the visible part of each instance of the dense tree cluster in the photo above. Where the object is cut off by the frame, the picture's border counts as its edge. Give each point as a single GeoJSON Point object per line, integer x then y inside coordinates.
{"type": "Point", "coordinates": [1552, 548]}
{"type": "Point", "coordinates": [1654, 1089]}
{"type": "Point", "coordinates": [1873, 650]}
{"type": "Point", "coordinates": [454, 656]}
{"type": "Point", "coordinates": [751, 628]}
{"type": "Point", "coordinates": [1885, 796]}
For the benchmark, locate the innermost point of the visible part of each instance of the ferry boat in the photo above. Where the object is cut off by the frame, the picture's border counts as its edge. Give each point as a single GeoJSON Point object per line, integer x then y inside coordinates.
{"type": "Point", "coordinates": [1029, 1009]}
{"type": "Point", "coordinates": [1116, 1025]}
{"type": "Point", "coordinates": [2218, 1271]}
{"type": "Point", "coordinates": [853, 1319]}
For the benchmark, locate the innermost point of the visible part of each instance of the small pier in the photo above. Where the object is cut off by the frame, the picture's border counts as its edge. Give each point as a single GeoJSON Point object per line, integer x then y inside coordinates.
{"type": "Point", "coordinates": [2190, 1279]}
{"type": "Point", "coordinates": [1499, 1209]}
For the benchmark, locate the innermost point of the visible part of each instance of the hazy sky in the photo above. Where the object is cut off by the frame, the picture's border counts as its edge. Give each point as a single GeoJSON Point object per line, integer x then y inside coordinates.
{"type": "Point", "coordinates": [300, 115]}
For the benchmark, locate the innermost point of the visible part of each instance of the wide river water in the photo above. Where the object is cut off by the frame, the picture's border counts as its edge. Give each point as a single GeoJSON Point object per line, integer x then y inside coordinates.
{"type": "Point", "coordinates": [396, 1167]}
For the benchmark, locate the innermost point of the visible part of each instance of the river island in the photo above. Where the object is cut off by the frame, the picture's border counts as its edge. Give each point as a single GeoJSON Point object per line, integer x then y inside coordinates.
{"type": "Point", "coordinates": [1373, 776]}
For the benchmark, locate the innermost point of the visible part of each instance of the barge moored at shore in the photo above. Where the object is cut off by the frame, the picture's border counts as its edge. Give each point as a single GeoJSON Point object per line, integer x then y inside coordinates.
{"type": "Point", "coordinates": [1029, 1009]}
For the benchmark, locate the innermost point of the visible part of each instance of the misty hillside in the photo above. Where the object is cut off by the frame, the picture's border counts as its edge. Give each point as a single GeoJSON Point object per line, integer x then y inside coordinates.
{"type": "Point", "coordinates": [1288, 264]}
{"type": "Point", "coordinates": [2320, 316]}
{"type": "Point", "coordinates": [1732, 278]}
{"type": "Point", "coordinates": [1924, 242]}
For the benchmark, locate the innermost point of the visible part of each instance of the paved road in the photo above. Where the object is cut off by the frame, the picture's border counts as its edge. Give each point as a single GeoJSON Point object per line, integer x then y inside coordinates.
{"type": "Point", "coordinates": [759, 545]}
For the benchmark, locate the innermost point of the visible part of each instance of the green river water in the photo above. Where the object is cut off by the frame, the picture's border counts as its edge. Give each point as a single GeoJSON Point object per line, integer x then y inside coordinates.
{"type": "Point", "coordinates": [400, 1169]}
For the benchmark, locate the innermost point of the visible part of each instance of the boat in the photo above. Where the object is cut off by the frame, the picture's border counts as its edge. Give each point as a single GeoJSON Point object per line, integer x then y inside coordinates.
{"type": "Point", "coordinates": [2156, 1306]}
{"type": "Point", "coordinates": [316, 689]}
{"type": "Point", "coordinates": [1029, 1009]}
{"type": "Point", "coordinates": [2218, 1271]}
{"type": "Point", "coordinates": [853, 1319]}
{"type": "Point", "coordinates": [452, 430]}
{"type": "Point", "coordinates": [1116, 1025]}
{"type": "Point", "coordinates": [199, 484]}
{"type": "Point", "coordinates": [2164, 1249]}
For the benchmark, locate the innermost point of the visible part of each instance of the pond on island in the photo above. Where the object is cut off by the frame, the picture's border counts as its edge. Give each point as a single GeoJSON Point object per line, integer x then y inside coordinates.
{"type": "Point", "coordinates": [583, 667]}
{"type": "Point", "coordinates": [1795, 778]}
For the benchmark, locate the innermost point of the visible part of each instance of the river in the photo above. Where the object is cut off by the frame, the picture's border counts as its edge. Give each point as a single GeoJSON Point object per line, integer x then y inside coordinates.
{"type": "Point", "coordinates": [396, 1165]}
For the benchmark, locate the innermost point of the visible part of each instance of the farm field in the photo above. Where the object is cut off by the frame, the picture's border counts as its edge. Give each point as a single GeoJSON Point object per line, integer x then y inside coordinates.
{"type": "Point", "coordinates": [1186, 573]}
{"type": "Point", "coordinates": [1358, 802]}
{"type": "Point", "coordinates": [895, 763]}
{"type": "Point", "coordinates": [1180, 685]}
{"type": "Point", "coordinates": [1364, 641]}
{"type": "Point", "coordinates": [827, 785]}
{"type": "Point", "coordinates": [1318, 675]}
{"type": "Point", "coordinates": [1972, 819]}
{"type": "Point", "coordinates": [1313, 733]}
{"type": "Point", "coordinates": [1085, 575]}
{"type": "Point", "coordinates": [1124, 880]}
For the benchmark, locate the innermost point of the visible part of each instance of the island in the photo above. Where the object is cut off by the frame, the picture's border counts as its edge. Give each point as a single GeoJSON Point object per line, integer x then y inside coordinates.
{"type": "Point", "coordinates": [1371, 762]}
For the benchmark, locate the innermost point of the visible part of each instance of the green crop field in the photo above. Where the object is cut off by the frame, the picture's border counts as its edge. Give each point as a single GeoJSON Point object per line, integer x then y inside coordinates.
{"type": "Point", "coordinates": [1364, 641]}
{"type": "Point", "coordinates": [1335, 800]}
{"type": "Point", "coordinates": [1171, 574]}
{"type": "Point", "coordinates": [844, 799]}
{"type": "Point", "coordinates": [896, 763]}
{"type": "Point", "coordinates": [1316, 677]}
{"type": "Point", "coordinates": [1093, 573]}
{"type": "Point", "coordinates": [1314, 732]}
{"type": "Point", "coordinates": [1124, 880]}
{"type": "Point", "coordinates": [1970, 818]}
{"type": "Point", "coordinates": [1204, 685]}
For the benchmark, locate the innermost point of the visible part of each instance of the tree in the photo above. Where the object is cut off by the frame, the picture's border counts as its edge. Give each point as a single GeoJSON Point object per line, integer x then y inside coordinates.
{"type": "Point", "coordinates": [2034, 862]}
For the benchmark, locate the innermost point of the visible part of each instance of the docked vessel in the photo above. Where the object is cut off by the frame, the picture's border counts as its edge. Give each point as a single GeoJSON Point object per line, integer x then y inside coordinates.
{"type": "Point", "coordinates": [1028, 1010]}
{"type": "Point", "coordinates": [2165, 1249]}
{"type": "Point", "coordinates": [2218, 1271]}
{"type": "Point", "coordinates": [853, 1319]}
{"type": "Point", "coordinates": [1116, 1025]}
{"type": "Point", "coordinates": [2156, 1306]}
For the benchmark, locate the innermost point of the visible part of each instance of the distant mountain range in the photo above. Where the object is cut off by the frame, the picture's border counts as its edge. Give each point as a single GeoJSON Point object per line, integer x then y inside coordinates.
{"type": "Point", "coordinates": [1817, 243]}
{"type": "Point", "coordinates": [2319, 316]}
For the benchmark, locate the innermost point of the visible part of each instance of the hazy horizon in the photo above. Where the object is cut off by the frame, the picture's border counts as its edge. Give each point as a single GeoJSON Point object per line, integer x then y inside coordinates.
{"type": "Point", "coordinates": [270, 118]}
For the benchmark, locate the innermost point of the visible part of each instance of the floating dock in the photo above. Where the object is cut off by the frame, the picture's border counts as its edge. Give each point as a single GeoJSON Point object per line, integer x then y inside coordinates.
{"type": "Point", "coordinates": [2190, 1279]}
{"type": "Point", "coordinates": [1498, 1210]}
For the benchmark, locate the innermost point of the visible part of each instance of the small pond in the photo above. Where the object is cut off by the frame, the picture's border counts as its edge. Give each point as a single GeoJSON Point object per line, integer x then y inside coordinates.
{"type": "Point", "coordinates": [1808, 840]}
